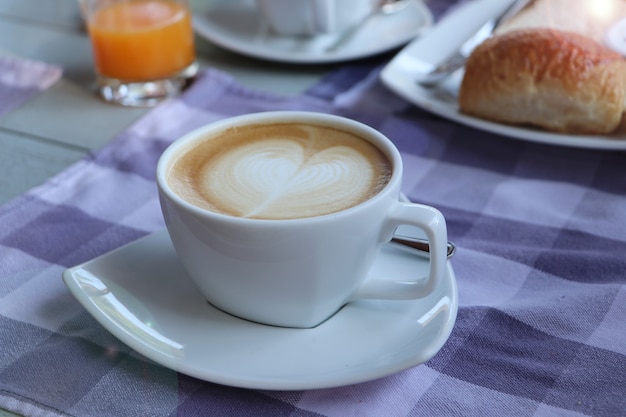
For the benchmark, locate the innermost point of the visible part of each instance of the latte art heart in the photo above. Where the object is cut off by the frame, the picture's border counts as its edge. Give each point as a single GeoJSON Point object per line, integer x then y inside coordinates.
{"type": "Point", "coordinates": [280, 172]}
{"type": "Point", "coordinates": [279, 181]}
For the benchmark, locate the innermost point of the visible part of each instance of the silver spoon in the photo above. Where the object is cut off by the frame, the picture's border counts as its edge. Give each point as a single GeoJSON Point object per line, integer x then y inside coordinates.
{"type": "Point", "coordinates": [421, 246]}
{"type": "Point", "coordinates": [384, 7]}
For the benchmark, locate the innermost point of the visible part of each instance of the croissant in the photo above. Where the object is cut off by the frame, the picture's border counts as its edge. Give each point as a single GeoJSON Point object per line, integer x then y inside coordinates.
{"type": "Point", "coordinates": [557, 80]}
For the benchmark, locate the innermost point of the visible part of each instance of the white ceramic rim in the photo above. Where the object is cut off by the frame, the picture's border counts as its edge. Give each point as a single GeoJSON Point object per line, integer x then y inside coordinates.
{"type": "Point", "coordinates": [364, 131]}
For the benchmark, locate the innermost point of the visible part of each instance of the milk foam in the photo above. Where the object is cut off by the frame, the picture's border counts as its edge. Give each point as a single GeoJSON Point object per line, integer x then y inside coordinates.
{"type": "Point", "coordinates": [281, 174]}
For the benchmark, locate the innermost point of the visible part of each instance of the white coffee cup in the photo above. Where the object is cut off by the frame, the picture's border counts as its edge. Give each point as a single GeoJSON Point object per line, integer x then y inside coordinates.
{"type": "Point", "coordinates": [284, 269]}
{"type": "Point", "coordinates": [313, 17]}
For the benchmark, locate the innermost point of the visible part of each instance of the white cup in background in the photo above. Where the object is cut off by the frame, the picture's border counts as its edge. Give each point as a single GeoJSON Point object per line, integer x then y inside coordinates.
{"type": "Point", "coordinates": [313, 17]}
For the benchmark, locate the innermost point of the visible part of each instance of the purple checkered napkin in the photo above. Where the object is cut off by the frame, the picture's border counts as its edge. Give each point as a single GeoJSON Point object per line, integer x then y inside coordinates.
{"type": "Point", "coordinates": [22, 79]}
{"type": "Point", "coordinates": [541, 235]}
{"type": "Point", "coordinates": [541, 270]}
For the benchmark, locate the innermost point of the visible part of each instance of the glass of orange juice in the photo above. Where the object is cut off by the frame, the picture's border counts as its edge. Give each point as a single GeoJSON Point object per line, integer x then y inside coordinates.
{"type": "Point", "coordinates": [143, 49]}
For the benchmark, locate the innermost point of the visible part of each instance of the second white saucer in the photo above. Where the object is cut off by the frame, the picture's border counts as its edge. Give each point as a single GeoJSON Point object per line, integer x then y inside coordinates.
{"type": "Point", "coordinates": [235, 25]}
{"type": "Point", "coordinates": [142, 295]}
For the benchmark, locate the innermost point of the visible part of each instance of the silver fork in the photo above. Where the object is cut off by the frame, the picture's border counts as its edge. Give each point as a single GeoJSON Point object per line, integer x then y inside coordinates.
{"type": "Point", "coordinates": [455, 61]}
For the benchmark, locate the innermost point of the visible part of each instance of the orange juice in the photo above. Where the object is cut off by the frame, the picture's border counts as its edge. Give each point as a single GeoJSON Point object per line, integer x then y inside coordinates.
{"type": "Point", "coordinates": [141, 40]}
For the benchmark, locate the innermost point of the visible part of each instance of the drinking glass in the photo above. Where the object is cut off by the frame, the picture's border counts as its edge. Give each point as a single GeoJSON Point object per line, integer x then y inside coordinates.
{"type": "Point", "coordinates": [143, 49]}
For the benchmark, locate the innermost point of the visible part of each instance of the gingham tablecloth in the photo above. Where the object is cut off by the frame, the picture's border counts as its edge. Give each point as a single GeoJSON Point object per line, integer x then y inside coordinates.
{"type": "Point", "coordinates": [541, 270]}
{"type": "Point", "coordinates": [22, 79]}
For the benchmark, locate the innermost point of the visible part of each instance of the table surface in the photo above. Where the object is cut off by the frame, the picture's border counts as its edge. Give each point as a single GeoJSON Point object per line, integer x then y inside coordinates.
{"type": "Point", "coordinates": [42, 137]}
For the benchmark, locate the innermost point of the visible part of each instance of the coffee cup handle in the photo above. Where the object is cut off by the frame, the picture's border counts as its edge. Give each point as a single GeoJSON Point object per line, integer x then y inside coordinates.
{"type": "Point", "coordinates": [323, 13]}
{"type": "Point", "coordinates": [432, 222]}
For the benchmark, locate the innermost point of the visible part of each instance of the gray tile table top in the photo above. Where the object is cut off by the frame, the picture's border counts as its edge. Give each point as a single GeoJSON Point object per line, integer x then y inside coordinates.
{"type": "Point", "coordinates": [42, 137]}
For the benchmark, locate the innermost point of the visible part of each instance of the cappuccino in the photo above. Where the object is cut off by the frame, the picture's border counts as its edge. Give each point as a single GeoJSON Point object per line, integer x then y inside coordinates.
{"type": "Point", "coordinates": [279, 171]}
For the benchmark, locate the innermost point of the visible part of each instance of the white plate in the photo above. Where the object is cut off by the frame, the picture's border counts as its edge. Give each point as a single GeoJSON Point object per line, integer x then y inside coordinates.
{"type": "Point", "coordinates": [235, 25]}
{"type": "Point", "coordinates": [399, 76]}
{"type": "Point", "coordinates": [141, 294]}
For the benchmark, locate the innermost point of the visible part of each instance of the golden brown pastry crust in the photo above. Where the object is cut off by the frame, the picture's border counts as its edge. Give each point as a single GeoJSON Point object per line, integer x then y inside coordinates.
{"type": "Point", "coordinates": [557, 80]}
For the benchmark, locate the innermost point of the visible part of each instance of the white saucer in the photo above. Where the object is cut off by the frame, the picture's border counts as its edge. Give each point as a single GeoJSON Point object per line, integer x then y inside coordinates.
{"type": "Point", "coordinates": [235, 25]}
{"type": "Point", "coordinates": [141, 294]}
